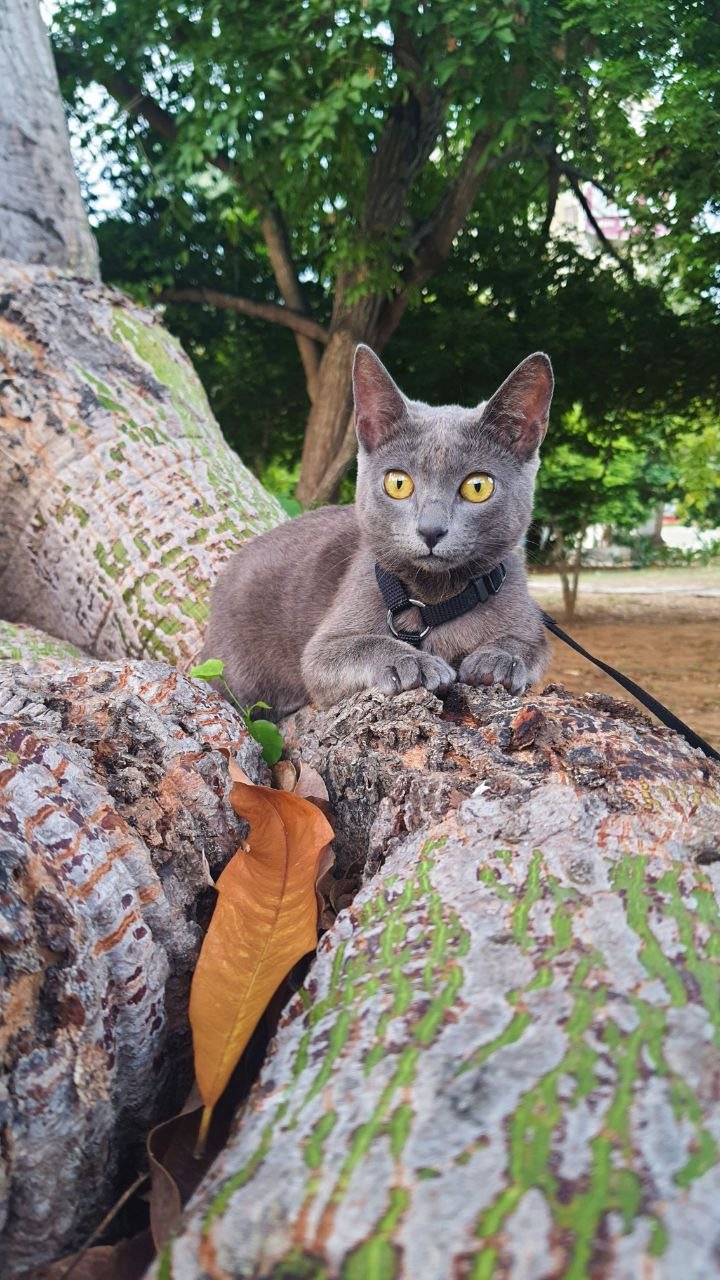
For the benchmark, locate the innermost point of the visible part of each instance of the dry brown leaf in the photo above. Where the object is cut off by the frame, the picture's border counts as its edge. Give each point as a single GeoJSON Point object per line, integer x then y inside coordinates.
{"type": "Point", "coordinates": [284, 775]}
{"type": "Point", "coordinates": [264, 921]}
{"type": "Point", "coordinates": [127, 1260]}
{"type": "Point", "coordinates": [174, 1172]}
{"type": "Point", "coordinates": [311, 786]}
{"type": "Point", "coordinates": [236, 773]}
{"type": "Point", "coordinates": [323, 888]}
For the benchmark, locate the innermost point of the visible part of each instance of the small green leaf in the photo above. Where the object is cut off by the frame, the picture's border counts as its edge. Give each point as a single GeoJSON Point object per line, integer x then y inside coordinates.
{"type": "Point", "coordinates": [269, 737]}
{"type": "Point", "coordinates": [264, 706]}
{"type": "Point", "coordinates": [209, 670]}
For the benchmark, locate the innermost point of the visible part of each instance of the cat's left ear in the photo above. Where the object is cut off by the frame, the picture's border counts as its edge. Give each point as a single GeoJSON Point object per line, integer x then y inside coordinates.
{"type": "Point", "coordinates": [379, 403]}
{"type": "Point", "coordinates": [518, 412]}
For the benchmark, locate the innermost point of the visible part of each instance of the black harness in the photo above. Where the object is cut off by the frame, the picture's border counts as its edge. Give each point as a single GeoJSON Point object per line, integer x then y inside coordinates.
{"type": "Point", "coordinates": [478, 591]}
{"type": "Point", "coordinates": [396, 597]}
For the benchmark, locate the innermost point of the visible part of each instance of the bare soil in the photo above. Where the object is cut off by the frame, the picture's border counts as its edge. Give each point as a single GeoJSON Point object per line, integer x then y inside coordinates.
{"type": "Point", "coordinates": [661, 627]}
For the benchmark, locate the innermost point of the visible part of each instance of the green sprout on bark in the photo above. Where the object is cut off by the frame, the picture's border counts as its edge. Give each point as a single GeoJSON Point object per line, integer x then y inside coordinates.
{"type": "Point", "coordinates": [263, 731]}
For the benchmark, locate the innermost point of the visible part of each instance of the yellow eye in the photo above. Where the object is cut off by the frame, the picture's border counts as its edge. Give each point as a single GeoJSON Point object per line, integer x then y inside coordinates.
{"type": "Point", "coordinates": [477, 487]}
{"type": "Point", "coordinates": [398, 484]}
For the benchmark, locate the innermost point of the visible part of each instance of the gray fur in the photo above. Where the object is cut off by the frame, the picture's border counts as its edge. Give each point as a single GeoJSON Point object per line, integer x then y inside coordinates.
{"type": "Point", "coordinates": [297, 615]}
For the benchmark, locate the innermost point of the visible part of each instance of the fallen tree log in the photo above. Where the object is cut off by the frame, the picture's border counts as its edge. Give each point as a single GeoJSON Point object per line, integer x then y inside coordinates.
{"type": "Point", "coordinates": [119, 498]}
{"type": "Point", "coordinates": [113, 823]}
{"type": "Point", "coordinates": [505, 1059]}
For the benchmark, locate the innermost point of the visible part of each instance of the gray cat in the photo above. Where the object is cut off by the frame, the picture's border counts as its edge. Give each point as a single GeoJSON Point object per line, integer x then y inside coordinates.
{"type": "Point", "coordinates": [444, 495]}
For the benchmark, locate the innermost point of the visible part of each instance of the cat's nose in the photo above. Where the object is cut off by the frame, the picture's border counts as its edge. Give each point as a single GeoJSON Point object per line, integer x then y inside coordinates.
{"type": "Point", "coordinates": [431, 533]}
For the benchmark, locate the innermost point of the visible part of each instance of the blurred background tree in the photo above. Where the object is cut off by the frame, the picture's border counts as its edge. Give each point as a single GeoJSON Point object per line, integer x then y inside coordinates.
{"type": "Point", "coordinates": [295, 179]}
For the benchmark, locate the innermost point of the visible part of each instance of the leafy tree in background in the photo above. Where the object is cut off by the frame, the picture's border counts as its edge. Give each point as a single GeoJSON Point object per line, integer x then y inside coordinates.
{"type": "Point", "coordinates": [609, 474]}
{"type": "Point", "coordinates": [697, 464]}
{"type": "Point", "coordinates": [342, 151]}
{"type": "Point", "coordinates": [635, 405]}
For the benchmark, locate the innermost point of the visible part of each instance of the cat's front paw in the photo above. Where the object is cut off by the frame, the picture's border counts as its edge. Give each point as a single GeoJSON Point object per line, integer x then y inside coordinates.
{"type": "Point", "coordinates": [495, 666]}
{"type": "Point", "coordinates": [416, 671]}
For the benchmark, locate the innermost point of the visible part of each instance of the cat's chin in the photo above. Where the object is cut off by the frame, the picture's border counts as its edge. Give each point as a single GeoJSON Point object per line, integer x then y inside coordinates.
{"type": "Point", "coordinates": [435, 564]}
{"type": "Point", "coordinates": [442, 576]}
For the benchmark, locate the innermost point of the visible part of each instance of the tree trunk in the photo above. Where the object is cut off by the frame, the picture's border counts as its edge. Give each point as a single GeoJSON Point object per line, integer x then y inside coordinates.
{"type": "Point", "coordinates": [119, 499]}
{"type": "Point", "coordinates": [658, 517]}
{"type": "Point", "coordinates": [327, 426]}
{"type": "Point", "coordinates": [328, 415]}
{"type": "Point", "coordinates": [113, 819]}
{"type": "Point", "coordinates": [570, 579]}
{"type": "Point", "coordinates": [569, 568]}
{"type": "Point", "coordinates": [42, 218]}
{"type": "Point", "coordinates": [504, 1061]}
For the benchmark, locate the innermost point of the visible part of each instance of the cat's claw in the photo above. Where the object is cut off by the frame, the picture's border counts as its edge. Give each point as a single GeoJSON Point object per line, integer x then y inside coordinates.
{"type": "Point", "coordinates": [495, 666]}
{"type": "Point", "coordinates": [416, 671]}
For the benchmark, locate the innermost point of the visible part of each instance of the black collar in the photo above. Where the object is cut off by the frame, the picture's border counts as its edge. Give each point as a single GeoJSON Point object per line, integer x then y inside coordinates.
{"type": "Point", "coordinates": [397, 598]}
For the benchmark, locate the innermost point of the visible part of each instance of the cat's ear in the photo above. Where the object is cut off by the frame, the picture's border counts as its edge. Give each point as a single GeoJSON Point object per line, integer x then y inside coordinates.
{"type": "Point", "coordinates": [379, 404]}
{"type": "Point", "coordinates": [517, 415]}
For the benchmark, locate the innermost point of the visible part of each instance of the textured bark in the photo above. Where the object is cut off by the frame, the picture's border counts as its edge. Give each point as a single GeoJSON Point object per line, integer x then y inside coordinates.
{"type": "Point", "coordinates": [504, 1062]}
{"type": "Point", "coordinates": [113, 817]}
{"type": "Point", "coordinates": [119, 499]}
{"type": "Point", "coordinates": [42, 218]}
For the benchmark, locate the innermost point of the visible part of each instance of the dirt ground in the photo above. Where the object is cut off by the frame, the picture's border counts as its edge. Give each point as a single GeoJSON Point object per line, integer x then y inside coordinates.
{"type": "Point", "coordinates": [662, 627]}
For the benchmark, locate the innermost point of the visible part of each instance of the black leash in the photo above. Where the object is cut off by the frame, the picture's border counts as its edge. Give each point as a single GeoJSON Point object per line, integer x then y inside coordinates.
{"type": "Point", "coordinates": [664, 715]}
{"type": "Point", "coordinates": [478, 591]}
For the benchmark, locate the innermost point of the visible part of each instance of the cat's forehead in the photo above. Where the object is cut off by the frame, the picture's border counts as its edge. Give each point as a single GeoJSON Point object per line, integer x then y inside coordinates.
{"type": "Point", "coordinates": [440, 440]}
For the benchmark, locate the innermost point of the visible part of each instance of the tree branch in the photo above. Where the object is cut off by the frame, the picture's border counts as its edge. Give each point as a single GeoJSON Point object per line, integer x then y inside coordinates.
{"type": "Point", "coordinates": [552, 197]}
{"type": "Point", "coordinates": [338, 465]}
{"type": "Point", "coordinates": [606, 244]}
{"type": "Point", "coordinates": [277, 243]}
{"type": "Point", "coordinates": [137, 103]}
{"type": "Point", "coordinates": [434, 237]}
{"type": "Point", "coordinates": [289, 319]}
{"type": "Point", "coordinates": [548, 150]}
{"type": "Point", "coordinates": [410, 131]}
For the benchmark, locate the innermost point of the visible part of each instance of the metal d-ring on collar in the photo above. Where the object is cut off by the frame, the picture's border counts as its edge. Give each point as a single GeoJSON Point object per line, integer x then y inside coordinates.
{"type": "Point", "coordinates": [397, 599]}
{"type": "Point", "coordinates": [401, 635]}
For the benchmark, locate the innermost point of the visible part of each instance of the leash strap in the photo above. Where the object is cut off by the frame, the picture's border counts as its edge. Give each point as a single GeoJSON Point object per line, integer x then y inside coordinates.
{"type": "Point", "coordinates": [479, 590]}
{"type": "Point", "coordinates": [397, 599]}
{"type": "Point", "coordinates": [665, 716]}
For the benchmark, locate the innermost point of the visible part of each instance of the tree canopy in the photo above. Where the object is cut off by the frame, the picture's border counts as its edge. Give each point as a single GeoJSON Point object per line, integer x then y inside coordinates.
{"type": "Point", "coordinates": [340, 169]}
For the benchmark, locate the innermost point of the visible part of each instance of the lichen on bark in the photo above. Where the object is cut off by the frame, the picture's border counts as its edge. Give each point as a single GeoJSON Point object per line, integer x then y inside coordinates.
{"type": "Point", "coordinates": [119, 498]}
{"type": "Point", "coordinates": [504, 1061]}
{"type": "Point", "coordinates": [27, 644]}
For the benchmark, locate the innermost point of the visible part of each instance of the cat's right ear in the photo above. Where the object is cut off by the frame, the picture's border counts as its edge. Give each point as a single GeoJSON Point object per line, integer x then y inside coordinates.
{"type": "Point", "coordinates": [518, 412]}
{"type": "Point", "coordinates": [379, 403]}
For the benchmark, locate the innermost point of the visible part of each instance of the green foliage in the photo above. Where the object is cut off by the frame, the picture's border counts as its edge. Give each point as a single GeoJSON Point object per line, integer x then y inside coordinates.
{"type": "Point", "coordinates": [295, 101]}
{"type": "Point", "coordinates": [645, 553]}
{"type": "Point", "coordinates": [263, 731]}
{"type": "Point", "coordinates": [209, 670]}
{"type": "Point", "coordinates": [697, 462]}
{"type": "Point", "coordinates": [290, 506]}
{"type": "Point", "coordinates": [296, 97]}
{"type": "Point", "coordinates": [266, 733]}
{"type": "Point", "coordinates": [631, 425]}
{"type": "Point", "coordinates": [601, 474]}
